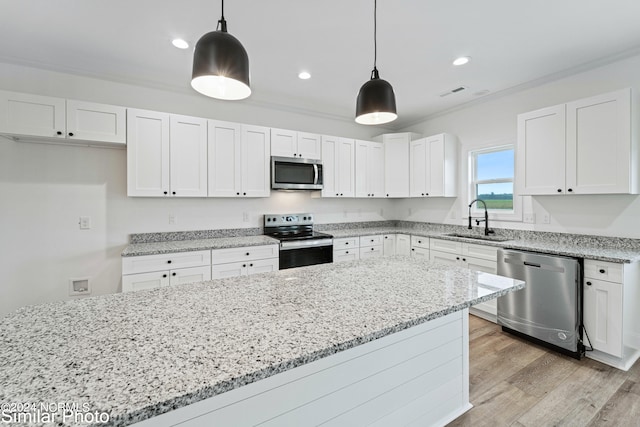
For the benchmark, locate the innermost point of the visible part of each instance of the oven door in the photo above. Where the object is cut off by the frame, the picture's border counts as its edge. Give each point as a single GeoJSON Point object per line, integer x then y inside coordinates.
{"type": "Point", "coordinates": [295, 174]}
{"type": "Point", "coordinates": [307, 252]}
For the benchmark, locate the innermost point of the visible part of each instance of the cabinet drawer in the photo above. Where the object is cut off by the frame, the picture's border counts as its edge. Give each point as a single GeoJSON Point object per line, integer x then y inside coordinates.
{"type": "Point", "coordinates": [480, 251]}
{"type": "Point", "coordinates": [445, 246]}
{"type": "Point", "coordinates": [247, 253]}
{"type": "Point", "coordinates": [420, 252]}
{"type": "Point", "coordinates": [190, 275]}
{"type": "Point", "coordinates": [371, 252]}
{"type": "Point", "coordinates": [346, 255]}
{"type": "Point", "coordinates": [263, 266]}
{"type": "Point", "coordinates": [149, 263]}
{"type": "Point", "coordinates": [480, 264]}
{"type": "Point", "coordinates": [444, 257]}
{"type": "Point", "coordinates": [345, 243]}
{"type": "Point", "coordinates": [602, 270]}
{"type": "Point", "coordinates": [370, 240]}
{"type": "Point", "coordinates": [419, 242]}
{"type": "Point", "coordinates": [141, 281]}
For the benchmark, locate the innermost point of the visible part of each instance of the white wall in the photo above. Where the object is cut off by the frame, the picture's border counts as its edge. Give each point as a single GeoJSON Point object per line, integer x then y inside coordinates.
{"type": "Point", "coordinates": [494, 123]}
{"type": "Point", "coordinates": [45, 188]}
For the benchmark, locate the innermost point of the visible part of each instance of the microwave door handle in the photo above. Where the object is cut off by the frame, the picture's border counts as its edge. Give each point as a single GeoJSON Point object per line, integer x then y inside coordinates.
{"type": "Point", "coordinates": [315, 173]}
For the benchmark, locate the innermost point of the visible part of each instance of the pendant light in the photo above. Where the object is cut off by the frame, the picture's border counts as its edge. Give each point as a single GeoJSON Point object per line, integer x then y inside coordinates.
{"type": "Point", "coordinates": [376, 103]}
{"type": "Point", "coordinates": [221, 65]}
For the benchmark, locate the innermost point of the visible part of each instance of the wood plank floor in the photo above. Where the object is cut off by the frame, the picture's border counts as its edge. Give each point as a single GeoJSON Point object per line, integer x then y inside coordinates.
{"type": "Point", "coordinates": [517, 383]}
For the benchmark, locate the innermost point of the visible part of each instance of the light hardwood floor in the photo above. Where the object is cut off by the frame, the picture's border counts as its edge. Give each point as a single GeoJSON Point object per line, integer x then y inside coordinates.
{"type": "Point", "coordinates": [517, 383]}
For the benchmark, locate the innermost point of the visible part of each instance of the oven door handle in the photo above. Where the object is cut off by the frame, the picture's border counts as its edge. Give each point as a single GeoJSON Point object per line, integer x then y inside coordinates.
{"type": "Point", "coordinates": [315, 174]}
{"type": "Point", "coordinates": [286, 246]}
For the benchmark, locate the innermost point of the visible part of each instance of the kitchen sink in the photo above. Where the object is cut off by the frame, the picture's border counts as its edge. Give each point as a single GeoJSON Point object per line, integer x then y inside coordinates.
{"type": "Point", "coordinates": [479, 237]}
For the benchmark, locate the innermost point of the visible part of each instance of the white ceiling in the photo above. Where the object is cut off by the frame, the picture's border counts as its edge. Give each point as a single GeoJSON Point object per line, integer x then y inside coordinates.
{"type": "Point", "coordinates": [512, 42]}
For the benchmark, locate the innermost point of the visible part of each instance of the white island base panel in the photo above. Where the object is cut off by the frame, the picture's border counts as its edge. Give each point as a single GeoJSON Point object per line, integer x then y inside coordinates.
{"type": "Point", "coordinates": [415, 377]}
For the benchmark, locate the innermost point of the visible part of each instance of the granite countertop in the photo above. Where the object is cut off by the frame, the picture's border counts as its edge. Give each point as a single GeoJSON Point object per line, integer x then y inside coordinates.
{"type": "Point", "coordinates": [140, 354]}
{"type": "Point", "coordinates": [155, 248]}
{"type": "Point", "coordinates": [590, 247]}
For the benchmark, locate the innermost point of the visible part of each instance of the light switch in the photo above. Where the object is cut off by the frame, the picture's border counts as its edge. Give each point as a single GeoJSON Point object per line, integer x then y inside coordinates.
{"type": "Point", "coordinates": [85, 222]}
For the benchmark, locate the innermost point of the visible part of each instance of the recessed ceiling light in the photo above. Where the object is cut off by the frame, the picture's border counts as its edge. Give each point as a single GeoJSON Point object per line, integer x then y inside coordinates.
{"type": "Point", "coordinates": [461, 60]}
{"type": "Point", "coordinates": [180, 44]}
{"type": "Point", "coordinates": [304, 75]}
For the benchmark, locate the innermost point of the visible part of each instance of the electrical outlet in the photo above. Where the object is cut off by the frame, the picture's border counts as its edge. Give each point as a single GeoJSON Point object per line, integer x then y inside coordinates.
{"type": "Point", "coordinates": [79, 286]}
{"type": "Point", "coordinates": [546, 218]}
{"type": "Point", "coordinates": [529, 218]}
{"type": "Point", "coordinates": [173, 219]}
{"type": "Point", "coordinates": [85, 222]}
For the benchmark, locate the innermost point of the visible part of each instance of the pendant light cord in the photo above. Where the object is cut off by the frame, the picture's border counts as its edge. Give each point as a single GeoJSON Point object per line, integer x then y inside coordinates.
{"type": "Point", "coordinates": [222, 23]}
{"type": "Point", "coordinates": [374, 73]}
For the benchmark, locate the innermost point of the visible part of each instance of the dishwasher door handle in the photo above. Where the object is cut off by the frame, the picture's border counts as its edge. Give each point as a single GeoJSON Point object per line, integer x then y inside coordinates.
{"type": "Point", "coordinates": [530, 264]}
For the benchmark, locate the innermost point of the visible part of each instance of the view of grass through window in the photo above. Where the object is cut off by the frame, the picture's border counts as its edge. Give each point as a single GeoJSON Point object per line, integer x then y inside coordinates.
{"type": "Point", "coordinates": [493, 181]}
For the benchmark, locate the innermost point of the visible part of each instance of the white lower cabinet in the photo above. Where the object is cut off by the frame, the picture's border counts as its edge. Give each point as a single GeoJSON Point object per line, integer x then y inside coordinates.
{"type": "Point", "coordinates": [611, 312]}
{"type": "Point", "coordinates": [244, 261]}
{"type": "Point", "coordinates": [371, 246]}
{"type": "Point", "coordinates": [389, 245]}
{"type": "Point", "coordinates": [403, 244]}
{"type": "Point", "coordinates": [156, 271]}
{"type": "Point", "coordinates": [346, 249]}
{"type": "Point", "coordinates": [420, 247]}
{"type": "Point", "coordinates": [474, 257]}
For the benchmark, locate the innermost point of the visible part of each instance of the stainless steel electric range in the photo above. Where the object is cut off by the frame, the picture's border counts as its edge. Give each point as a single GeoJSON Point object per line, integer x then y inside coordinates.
{"type": "Point", "coordinates": [300, 245]}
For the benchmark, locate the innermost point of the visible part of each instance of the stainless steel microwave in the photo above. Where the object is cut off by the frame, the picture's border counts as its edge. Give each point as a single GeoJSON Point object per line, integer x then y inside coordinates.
{"type": "Point", "coordinates": [288, 173]}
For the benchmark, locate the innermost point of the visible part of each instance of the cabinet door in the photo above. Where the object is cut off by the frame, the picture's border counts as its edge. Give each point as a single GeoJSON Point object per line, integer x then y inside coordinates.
{"type": "Point", "coordinates": [232, 269]}
{"type": "Point", "coordinates": [444, 258]}
{"type": "Point", "coordinates": [89, 121]}
{"type": "Point", "coordinates": [371, 252]}
{"type": "Point", "coordinates": [138, 282]}
{"type": "Point", "coordinates": [403, 244]}
{"type": "Point", "coordinates": [389, 245]}
{"type": "Point", "coordinates": [329, 166]}
{"type": "Point", "coordinates": [362, 169]}
{"type": "Point", "coordinates": [309, 146]}
{"type": "Point", "coordinates": [396, 166]}
{"type": "Point", "coordinates": [540, 153]}
{"type": "Point", "coordinates": [419, 252]}
{"type": "Point", "coordinates": [263, 266]}
{"type": "Point", "coordinates": [188, 156]}
{"type": "Point", "coordinates": [26, 114]}
{"type": "Point", "coordinates": [284, 143]}
{"type": "Point", "coordinates": [255, 161]}
{"type": "Point", "coordinates": [345, 178]}
{"type": "Point", "coordinates": [443, 166]}
{"type": "Point", "coordinates": [189, 275]}
{"type": "Point", "coordinates": [479, 264]}
{"type": "Point", "coordinates": [599, 144]}
{"type": "Point", "coordinates": [346, 255]}
{"type": "Point", "coordinates": [147, 153]}
{"type": "Point", "coordinates": [375, 169]}
{"type": "Point", "coordinates": [603, 315]}
{"type": "Point", "coordinates": [418, 171]}
{"type": "Point", "coordinates": [224, 151]}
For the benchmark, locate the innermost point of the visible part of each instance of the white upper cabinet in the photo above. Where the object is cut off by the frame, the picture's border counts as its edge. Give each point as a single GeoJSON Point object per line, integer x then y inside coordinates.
{"type": "Point", "coordinates": [583, 147]}
{"type": "Point", "coordinates": [288, 143]}
{"type": "Point", "coordinates": [369, 169]}
{"type": "Point", "coordinates": [147, 153]}
{"type": "Point", "coordinates": [433, 166]}
{"type": "Point", "coordinates": [238, 160]}
{"type": "Point", "coordinates": [338, 166]}
{"type": "Point", "coordinates": [396, 165]}
{"type": "Point", "coordinates": [166, 155]}
{"type": "Point", "coordinates": [188, 156]}
{"type": "Point", "coordinates": [50, 118]}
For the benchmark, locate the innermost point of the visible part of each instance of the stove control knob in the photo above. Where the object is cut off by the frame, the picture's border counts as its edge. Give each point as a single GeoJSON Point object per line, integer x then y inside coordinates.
{"type": "Point", "coordinates": [309, 217]}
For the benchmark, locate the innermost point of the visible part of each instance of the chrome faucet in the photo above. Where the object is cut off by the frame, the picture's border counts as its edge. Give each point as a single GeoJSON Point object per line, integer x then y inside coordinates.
{"type": "Point", "coordinates": [487, 230]}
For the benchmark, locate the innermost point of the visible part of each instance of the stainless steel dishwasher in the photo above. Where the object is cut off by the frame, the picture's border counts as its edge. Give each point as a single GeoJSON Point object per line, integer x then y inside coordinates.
{"type": "Point", "coordinates": [548, 310]}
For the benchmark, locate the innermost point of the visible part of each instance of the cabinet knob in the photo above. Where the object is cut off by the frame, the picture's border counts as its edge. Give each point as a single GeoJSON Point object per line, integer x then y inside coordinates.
{"type": "Point", "coordinates": [165, 192]}
{"type": "Point", "coordinates": [559, 190]}
{"type": "Point", "coordinates": [457, 257]}
{"type": "Point", "coordinates": [173, 192]}
{"type": "Point", "coordinates": [422, 194]}
{"type": "Point", "coordinates": [419, 241]}
{"type": "Point", "coordinates": [295, 154]}
{"type": "Point", "coordinates": [173, 274]}
{"type": "Point", "coordinates": [372, 249]}
{"type": "Point", "coordinates": [588, 283]}
{"type": "Point", "coordinates": [426, 194]}
{"type": "Point", "coordinates": [412, 249]}
{"type": "Point", "coordinates": [58, 133]}
{"type": "Point", "coordinates": [238, 193]}
{"type": "Point", "coordinates": [164, 275]}
{"type": "Point", "coordinates": [337, 194]}
{"type": "Point", "coordinates": [346, 243]}
{"type": "Point", "coordinates": [250, 265]}
{"type": "Point", "coordinates": [387, 194]}
{"type": "Point", "coordinates": [244, 265]}
{"type": "Point", "coordinates": [247, 254]}
{"type": "Point", "coordinates": [70, 133]}
{"type": "Point", "coordinates": [299, 155]}
{"type": "Point", "coordinates": [570, 190]}
{"type": "Point", "coordinates": [602, 270]}
{"type": "Point", "coordinates": [341, 194]}
{"type": "Point", "coordinates": [346, 252]}
{"type": "Point", "coordinates": [169, 262]}
{"type": "Point", "coordinates": [244, 194]}
{"type": "Point", "coordinates": [464, 259]}
{"type": "Point", "coordinates": [386, 237]}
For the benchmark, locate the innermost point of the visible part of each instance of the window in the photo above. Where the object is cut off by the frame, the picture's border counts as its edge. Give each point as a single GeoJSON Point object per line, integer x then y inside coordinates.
{"type": "Point", "coordinates": [491, 180]}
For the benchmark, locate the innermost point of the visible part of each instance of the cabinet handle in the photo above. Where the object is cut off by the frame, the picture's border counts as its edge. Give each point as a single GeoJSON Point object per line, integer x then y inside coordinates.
{"type": "Point", "coordinates": [169, 262]}
{"type": "Point", "coordinates": [559, 190]}
{"type": "Point", "coordinates": [70, 133]}
{"type": "Point", "coordinates": [588, 283]}
{"type": "Point", "coordinates": [58, 133]}
{"type": "Point", "coordinates": [164, 275]}
{"type": "Point", "coordinates": [570, 190]}
{"type": "Point", "coordinates": [602, 270]}
{"type": "Point", "coordinates": [173, 274]}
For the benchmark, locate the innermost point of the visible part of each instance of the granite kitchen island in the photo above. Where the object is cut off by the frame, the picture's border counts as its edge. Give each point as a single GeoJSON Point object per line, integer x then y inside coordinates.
{"type": "Point", "coordinates": [374, 341]}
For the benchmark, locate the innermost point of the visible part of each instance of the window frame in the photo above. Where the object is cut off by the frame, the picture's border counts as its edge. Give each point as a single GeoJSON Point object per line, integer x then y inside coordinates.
{"type": "Point", "coordinates": [514, 214]}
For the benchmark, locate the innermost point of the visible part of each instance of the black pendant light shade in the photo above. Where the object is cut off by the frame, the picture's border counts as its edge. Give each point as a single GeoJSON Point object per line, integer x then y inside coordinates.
{"type": "Point", "coordinates": [376, 102]}
{"type": "Point", "coordinates": [221, 65]}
